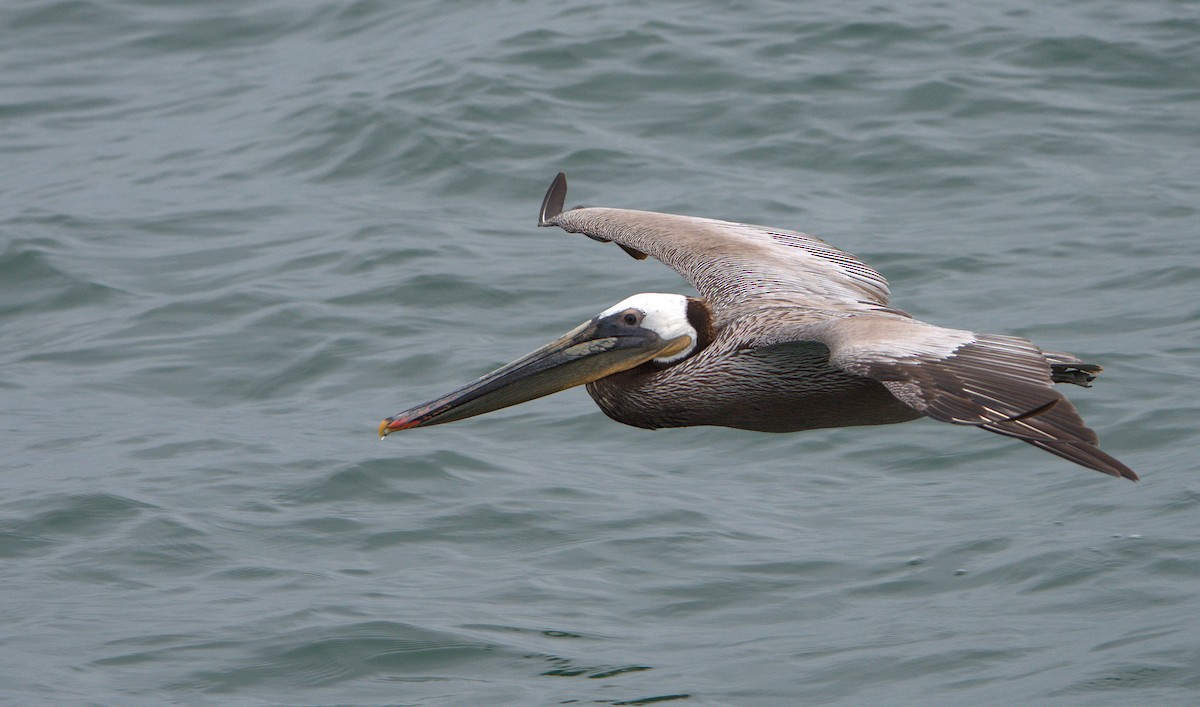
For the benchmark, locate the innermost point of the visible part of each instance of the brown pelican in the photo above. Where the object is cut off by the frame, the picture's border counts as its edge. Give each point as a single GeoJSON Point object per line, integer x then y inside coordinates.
{"type": "Point", "coordinates": [789, 334]}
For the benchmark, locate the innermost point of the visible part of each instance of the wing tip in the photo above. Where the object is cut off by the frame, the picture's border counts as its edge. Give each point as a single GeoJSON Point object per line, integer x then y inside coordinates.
{"type": "Point", "coordinates": [1116, 468]}
{"type": "Point", "coordinates": [1087, 455]}
{"type": "Point", "coordinates": [552, 203]}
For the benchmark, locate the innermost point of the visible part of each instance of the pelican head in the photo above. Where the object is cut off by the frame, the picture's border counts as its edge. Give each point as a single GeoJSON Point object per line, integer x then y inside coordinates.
{"type": "Point", "coordinates": [646, 328]}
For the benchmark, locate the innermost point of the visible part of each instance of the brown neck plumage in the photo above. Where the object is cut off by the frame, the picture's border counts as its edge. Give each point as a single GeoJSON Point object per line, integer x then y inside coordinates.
{"type": "Point", "coordinates": [700, 316]}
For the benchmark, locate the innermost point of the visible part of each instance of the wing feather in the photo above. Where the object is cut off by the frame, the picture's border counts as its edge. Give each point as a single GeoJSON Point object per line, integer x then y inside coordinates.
{"type": "Point", "coordinates": [730, 264]}
{"type": "Point", "coordinates": [1003, 384]}
{"type": "Point", "coordinates": [775, 286]}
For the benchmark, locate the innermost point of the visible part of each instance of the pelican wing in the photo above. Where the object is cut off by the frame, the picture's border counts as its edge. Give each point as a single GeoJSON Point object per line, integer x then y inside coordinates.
{"type": "Point", "coordinates": [729, 263]}
{"type": "Point", "coordinates": [1003, 384]}
{"type": "Point", "coordinates": [775, 286]}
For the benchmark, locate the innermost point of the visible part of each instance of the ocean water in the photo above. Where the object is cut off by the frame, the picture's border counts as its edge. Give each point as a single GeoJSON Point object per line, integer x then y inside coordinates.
{"type": "Point", "coordinates": [235, 235]}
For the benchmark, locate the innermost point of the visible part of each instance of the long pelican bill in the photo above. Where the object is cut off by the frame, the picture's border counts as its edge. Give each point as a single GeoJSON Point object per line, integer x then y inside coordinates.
{"type": "Point", "coordinates": [591, 351]}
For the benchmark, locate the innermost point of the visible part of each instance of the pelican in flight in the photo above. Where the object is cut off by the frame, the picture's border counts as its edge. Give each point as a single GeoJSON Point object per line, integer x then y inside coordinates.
{"type": "Point", "coordinates": [788, 334]}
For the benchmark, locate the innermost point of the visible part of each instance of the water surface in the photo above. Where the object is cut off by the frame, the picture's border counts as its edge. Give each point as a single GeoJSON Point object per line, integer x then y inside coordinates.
{"type": "Point", "coordinates": [233, 236]}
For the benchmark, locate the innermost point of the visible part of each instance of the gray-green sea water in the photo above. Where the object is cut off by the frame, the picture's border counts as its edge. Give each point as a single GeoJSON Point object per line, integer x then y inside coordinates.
{"type": "Point", "coordinates": [235, 235]}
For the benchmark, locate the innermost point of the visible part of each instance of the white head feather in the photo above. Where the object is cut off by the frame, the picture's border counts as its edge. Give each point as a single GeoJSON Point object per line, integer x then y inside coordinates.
{"type": "Point", "coordinates": [663, 313]}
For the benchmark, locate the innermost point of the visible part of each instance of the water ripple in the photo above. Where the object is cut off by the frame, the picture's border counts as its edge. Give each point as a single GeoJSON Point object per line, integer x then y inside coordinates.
{"type": "Point", "coordinates": [233, 236]}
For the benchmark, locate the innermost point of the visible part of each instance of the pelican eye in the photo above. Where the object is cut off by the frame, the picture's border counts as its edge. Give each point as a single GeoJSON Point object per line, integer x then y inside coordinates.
{"type": "Point", "coordinates": [632, 318]}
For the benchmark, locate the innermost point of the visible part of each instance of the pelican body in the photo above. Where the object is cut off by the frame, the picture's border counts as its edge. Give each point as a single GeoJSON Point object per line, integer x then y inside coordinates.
{"type": "Point", "coordinates": [788, 334]}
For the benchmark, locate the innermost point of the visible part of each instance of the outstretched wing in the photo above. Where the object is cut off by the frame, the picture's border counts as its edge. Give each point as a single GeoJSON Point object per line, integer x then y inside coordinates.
{"type": "Point", "coordinates": [1003, 384]}
{"type": "Point", "coordinates": [730, 264]}
{"type": "Point", "coordinates": [803, 289]}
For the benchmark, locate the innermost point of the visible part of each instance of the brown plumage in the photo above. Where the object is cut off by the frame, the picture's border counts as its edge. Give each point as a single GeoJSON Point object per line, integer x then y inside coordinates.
{"type": "Point", "coordinates": [782, 387]}
{"type": "Point", "coordinates": [801, 336]}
